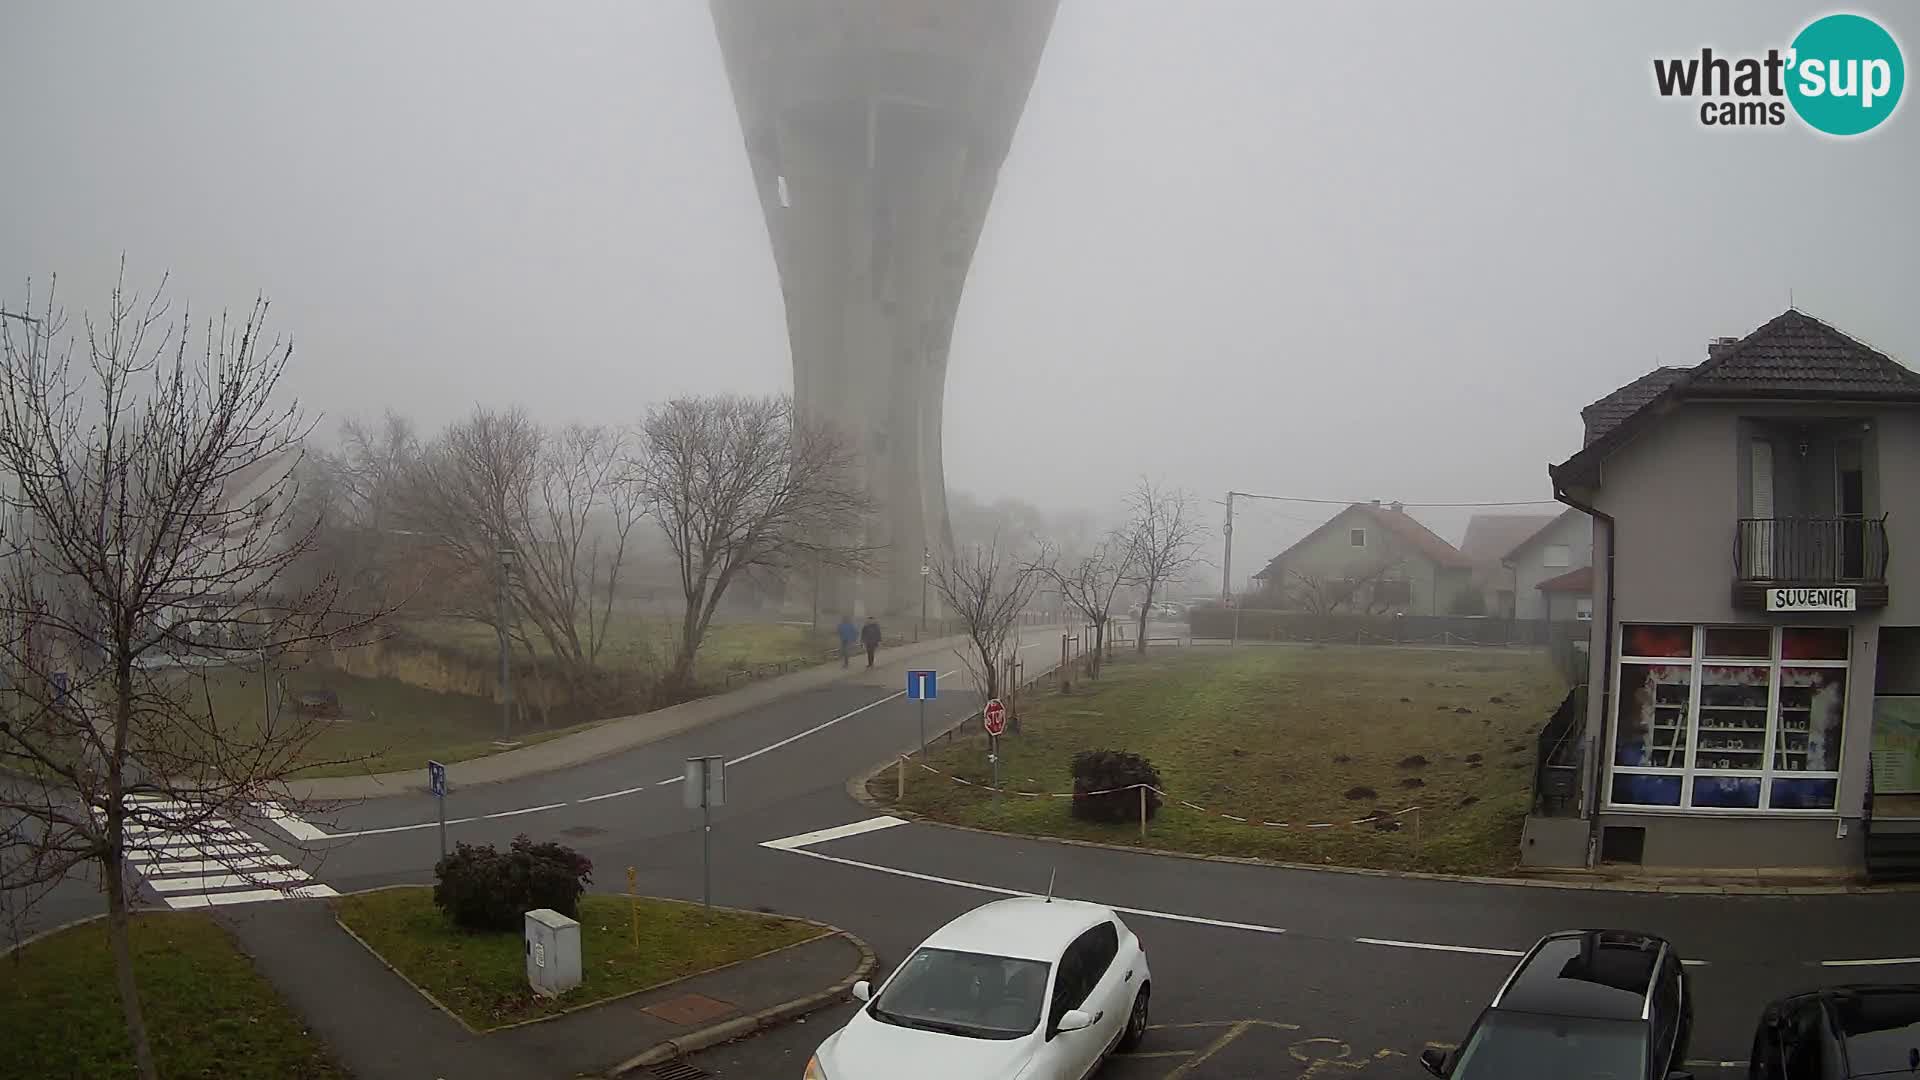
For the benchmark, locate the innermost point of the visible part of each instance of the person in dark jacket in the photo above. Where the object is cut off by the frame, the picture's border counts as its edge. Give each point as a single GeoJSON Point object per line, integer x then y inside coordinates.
{"type": "Point", "coordinates": [870, 637]}
{"type": "Point", "coordinates": [848, 632]}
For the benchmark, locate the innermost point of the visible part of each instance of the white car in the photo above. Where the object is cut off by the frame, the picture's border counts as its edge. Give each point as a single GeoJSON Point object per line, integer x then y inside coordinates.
{"type": "Point", "coordinates": [1026, 988]}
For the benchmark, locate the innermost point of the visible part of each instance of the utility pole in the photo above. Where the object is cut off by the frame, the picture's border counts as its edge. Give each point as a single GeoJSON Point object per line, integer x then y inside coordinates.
{"type": "Point", "coordinates": [1226, 572]}
{"type": "Point", "coordinates": [926, 568]}
{"type": "Point", "coordinates": [506, 668]}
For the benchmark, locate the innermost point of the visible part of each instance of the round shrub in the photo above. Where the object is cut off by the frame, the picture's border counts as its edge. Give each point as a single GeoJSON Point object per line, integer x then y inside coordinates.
{"type": "Point", "coordinates": [1115, 774]}
{"type": "Point", "coordinates": [482, 889]}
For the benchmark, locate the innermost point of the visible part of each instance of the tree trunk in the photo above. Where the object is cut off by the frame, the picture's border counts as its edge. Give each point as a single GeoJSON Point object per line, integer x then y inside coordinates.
{"type": "Point", "coordinates": [1099, 645]}
{"type": "Point", "coordinates": [117, 940]}
{"type": "Point", "coordinates": [1146, 606]}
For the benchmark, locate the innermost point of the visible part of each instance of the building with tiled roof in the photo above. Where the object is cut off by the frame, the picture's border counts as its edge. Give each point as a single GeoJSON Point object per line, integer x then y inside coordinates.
{"type": "Point", "coordinates": [1369, 558]}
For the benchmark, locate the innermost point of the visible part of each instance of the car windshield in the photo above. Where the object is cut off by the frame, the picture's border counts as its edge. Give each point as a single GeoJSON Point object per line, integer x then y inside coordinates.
{"type": "Point", "coordinates": [962, 993]}
{"type": "Point", "coordinates": [1527, 1044]}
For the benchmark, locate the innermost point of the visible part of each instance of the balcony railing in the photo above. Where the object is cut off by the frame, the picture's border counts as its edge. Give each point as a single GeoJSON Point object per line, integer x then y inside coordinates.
{"type": "Point", "coordinates": [1811, 549]}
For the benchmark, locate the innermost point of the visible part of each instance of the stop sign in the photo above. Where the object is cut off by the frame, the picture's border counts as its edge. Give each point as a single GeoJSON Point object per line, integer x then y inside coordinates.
{"type": "Point", "coordinates": [995, 717]}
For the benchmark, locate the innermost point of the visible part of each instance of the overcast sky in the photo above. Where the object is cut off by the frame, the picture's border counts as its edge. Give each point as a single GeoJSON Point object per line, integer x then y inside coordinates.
{"type": "Point", "coordinates": [1333, 250]}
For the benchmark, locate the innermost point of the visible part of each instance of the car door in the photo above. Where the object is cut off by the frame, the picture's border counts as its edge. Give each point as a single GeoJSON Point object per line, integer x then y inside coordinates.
{"type": "Point", "coordinates": [1071, 1055]}
{"type": "Point", "coordinates": [1665, 1015]}
{"type": "Point", "coordinates": [1108, 1000]}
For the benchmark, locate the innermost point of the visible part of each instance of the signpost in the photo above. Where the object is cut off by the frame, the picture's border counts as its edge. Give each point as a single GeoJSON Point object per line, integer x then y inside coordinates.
{"type": "Point", "coordinates": [922, 686]}
{"type": "Point", "coordinates": [994, 716]}
{"type": "Point", "coordinates": [706, 788]}
{"type": "Point", "coordinates": [437, 784]}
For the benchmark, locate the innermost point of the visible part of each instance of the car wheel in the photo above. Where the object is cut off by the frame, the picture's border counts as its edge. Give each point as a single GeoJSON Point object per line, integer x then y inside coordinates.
{"type": "Point", "coordinates": [1136, 1021]}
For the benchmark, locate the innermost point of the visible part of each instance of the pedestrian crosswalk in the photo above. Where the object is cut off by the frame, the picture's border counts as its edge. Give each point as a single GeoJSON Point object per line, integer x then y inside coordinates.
{"type": "Point", "coordinates": [193, 861]}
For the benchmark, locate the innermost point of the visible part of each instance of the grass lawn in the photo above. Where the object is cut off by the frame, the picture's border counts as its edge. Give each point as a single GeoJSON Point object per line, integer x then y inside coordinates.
{"type": "Point", "coordinates": [387, 725]}
{"type": "Point", "coordinates": [1295, 734]}
{"type": "Point", "coordinates": [483, 977]}
{"type": "Point", "coordinates": [208, 1013]}
{"type": "Point", "coordinates": [729, 646]}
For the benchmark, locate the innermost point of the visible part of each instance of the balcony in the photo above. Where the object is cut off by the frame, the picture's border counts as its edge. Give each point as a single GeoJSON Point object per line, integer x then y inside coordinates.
{"type": "Point", "coordinates": [1810, 552]}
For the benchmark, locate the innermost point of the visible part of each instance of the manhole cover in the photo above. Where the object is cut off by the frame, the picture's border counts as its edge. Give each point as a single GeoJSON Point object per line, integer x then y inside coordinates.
{"type": "Point", "coordinates": [578, 831]}
{"type": "Point", "coordinates": [688, 1009]}
{"type": "Point", "coordinates": [678, 1070]}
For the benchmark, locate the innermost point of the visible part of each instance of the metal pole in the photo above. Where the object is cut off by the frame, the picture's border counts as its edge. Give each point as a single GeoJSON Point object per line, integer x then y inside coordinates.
{"type": "Point", "coordinates": [926, 563]}
{"type": "Point", "coordinates": [923, 729]}
{"type": "Point", "coordinates": [706, 838]}
{"type": "Point", "coordinates": [441, 803]}
{"type": "Point", "coordinates": [506, 669]}
{"type": "Point", "coordinates": [993, 758]}
{"type": "Point", "coordinates": [1226, 561]}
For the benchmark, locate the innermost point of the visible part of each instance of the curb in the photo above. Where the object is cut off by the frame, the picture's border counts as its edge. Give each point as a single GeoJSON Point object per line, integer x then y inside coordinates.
{"type": "Point", "coordinates": [857, 789]}
{"type": "Point", "coordinates": [742, 1026]}
{"type": "Point", "coordinates": [49, 932]}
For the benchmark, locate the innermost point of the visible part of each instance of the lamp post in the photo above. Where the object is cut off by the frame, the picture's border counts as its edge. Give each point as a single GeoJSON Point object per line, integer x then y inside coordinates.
{"type": "Point", "coordinates": [926, 568]}
{"type": "Point", "coordinates": [506, 669]}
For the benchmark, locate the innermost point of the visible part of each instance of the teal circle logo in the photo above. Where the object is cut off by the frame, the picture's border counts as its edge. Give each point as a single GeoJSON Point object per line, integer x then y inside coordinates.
{"type": "Point", "coordinates": [1845, 74]}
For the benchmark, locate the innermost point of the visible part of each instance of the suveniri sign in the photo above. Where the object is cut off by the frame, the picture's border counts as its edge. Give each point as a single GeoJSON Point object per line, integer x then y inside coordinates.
{"type": "Point", "coordinates": [1835, 599]}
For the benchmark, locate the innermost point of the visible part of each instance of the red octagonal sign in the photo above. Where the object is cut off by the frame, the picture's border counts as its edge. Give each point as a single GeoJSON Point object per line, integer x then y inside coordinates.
{"type": "Point", "coordinates": [995, 717]}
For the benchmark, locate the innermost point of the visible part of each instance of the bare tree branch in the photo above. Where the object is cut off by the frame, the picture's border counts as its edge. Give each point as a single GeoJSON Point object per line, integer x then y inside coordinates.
{"type": "Point", "coordinates": [1164, 534]}
{"type": "Point", "coordinates": [986, 590]}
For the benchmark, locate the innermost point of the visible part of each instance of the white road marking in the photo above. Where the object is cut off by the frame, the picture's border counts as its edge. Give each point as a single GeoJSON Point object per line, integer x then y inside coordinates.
{"type": "Point", "coordinates": [397, 828]}
{"type": "Point", "coordinates": [1144, 913]}
{"type": "Point", "coordinates": [1430, 946]}
{"type": "Point", "coordinates": [823, 727]}
{"type": "Point", "coordinates": [612, 794]}
{"type": "Point", "coordinates": [223, 881]}
{"type": "Point", "coordinates": [214, 866]}
{"type": "Point", "coordinates": [252, 896]}
{"type": "Point", "coordinates": [671, 780]}
{"type": "Point", "coordinates": [292, 823]}
{"type": "Point", "coordinates": [821, 836]}
{"type": "Point", "coordinates": [1884, 961]}
{"type": "Point", "coordinates": [526, 810]}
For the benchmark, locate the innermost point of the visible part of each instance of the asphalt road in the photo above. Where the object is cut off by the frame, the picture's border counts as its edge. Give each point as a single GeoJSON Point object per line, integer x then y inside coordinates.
{"type": "Point", "coordinates": [1259, 971]}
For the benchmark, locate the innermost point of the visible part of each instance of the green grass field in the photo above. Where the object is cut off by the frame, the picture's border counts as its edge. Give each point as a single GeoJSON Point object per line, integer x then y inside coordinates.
{"type": "Point", "coordinates": [729, 646]}
{"type": "Point", "coordinates": [483, 977]}
{"type": "Point", "coordinates": [208, 1013]}
{"type": "Point", "coordinates": [1295, 734]}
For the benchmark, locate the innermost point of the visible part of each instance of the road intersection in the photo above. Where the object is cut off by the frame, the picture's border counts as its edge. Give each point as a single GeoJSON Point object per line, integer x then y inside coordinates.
{"type": "Point", "coordinates": [1260, 970]}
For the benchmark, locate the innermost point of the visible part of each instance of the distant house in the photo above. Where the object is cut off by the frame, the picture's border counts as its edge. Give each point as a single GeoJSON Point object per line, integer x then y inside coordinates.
{"type": "Point", "coordinates": [1556, 553]}
{"type": "Point", "coordinates": [1489, 538]}
{"type": "Point", "coordinates": [1367, 559]}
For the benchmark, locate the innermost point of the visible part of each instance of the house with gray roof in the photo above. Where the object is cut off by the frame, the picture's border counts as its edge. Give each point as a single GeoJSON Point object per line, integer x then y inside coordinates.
{"type": "Point", "coordinates": [1755, 582]}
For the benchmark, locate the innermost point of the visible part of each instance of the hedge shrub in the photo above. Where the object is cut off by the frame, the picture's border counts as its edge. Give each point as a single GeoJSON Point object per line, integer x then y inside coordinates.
{"type": "Point", "coordinates": [482, 889]}
{"type": "Point", "coordinates": [1105, 771]}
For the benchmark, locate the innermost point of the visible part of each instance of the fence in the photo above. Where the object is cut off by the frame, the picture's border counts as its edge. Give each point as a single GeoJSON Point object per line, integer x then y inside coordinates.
{"type": "Point", "coordinates": [1259, 624]}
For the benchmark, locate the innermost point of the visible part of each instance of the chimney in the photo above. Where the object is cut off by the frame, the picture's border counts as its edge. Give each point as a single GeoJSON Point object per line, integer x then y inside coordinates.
{"type": "Point", "coordinates": [1398, 507]}
{"type": "Point", "coordinates": [1720, 346]}
{"type": "Point", "coordinates": [1376, 504]}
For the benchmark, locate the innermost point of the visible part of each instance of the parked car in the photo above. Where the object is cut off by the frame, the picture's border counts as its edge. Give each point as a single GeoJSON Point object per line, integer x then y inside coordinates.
{"type": "Point", "coordinates": [1597, 1004]}
{"type": "Point", "coordinates": [1033, 988]}
{"type": "Point", "coordinates": [1838, 1033]}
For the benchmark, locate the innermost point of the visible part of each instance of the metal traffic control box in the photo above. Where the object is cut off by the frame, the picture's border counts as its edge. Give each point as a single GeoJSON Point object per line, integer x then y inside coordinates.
{"type": "Point", "coordinates": [553, 952]}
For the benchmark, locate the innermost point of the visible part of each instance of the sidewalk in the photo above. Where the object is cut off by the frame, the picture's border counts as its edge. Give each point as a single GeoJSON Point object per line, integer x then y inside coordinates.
{"type": "Point", "coordinates": [379, 1027]}
{"type": "Point", "coordinates": [625, 732]}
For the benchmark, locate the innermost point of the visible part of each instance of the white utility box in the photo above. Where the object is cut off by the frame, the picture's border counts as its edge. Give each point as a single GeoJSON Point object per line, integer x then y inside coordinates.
{"type": "Point", "coordinates": [553, 952]}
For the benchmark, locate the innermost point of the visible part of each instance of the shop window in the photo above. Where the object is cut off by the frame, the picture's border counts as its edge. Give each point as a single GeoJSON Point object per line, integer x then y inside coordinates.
{"type": "Point", "coordinates": [1814, 643]}
{"type": "Point", "coordinates": [1739, 642]}
{"type": "Point", "coordinates": [1751, 720]}
{"type": "Point", "coordinates": [1651, 726]}
{"type": "Point", "coordinates": [1648, 640]}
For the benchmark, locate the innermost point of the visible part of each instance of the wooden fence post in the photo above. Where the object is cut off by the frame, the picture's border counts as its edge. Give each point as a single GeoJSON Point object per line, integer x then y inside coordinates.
{"type": "Point", "coordinates": [900, 774]}
{"type": "Point", "coordinates": [1143, 813]}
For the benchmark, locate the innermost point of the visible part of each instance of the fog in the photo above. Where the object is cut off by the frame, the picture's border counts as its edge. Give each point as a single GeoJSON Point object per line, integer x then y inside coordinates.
{"type": "Point", "coordinates": [1340, 251]}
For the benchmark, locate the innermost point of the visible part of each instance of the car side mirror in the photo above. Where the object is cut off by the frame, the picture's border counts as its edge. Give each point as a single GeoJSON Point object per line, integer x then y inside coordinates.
{"type": "Point", "coordinates": [1073, 1020]}
{"type": "Point", "coordinates": [1435, 1061]}
{"type": "Point", "coordinates": [861, 990]}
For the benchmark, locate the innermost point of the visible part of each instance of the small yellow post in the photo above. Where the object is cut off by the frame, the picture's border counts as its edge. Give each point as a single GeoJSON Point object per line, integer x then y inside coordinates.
{"type": "Point", "coordinates": [900, 774]}
{"type": "Point", "coordinates": [633, 878]}
{"type": "Point", "coordinates": [1143, 813]}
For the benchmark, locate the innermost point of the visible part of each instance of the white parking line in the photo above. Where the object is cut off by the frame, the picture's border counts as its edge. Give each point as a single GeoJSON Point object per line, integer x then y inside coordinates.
{"type": "Point", "coordinates": [1884, 961]}
{"type": "Point", "coordinates": [1145, 913]}
{"type": "Point", "coordinates": [1431, 947]}
{"type": "Point", "coordinates": [821, 836]}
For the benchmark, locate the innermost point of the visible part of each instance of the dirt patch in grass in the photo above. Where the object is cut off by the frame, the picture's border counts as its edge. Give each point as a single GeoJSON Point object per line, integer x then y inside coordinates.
{"type": "Point", "coordinates": [483, 977]}
{"type": "Point", "coordinates": [208, 1012]}
{"type": "Point", "coordinates": [1291, 709]}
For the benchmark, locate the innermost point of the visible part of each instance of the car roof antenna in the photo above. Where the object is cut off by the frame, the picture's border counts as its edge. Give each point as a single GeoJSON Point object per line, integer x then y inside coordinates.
{"type": "Point", "coordinates": [1051, 870]}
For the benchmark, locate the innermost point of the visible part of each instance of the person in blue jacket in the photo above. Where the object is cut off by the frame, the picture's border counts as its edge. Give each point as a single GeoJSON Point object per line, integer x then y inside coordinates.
{"type": "Point", "coordinates": [847, 636]}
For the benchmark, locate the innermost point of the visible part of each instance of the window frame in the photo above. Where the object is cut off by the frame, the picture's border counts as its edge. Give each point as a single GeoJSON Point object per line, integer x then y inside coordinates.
{"type": "Point", "coordinates": [1689, 771]}
{"type": "Point", "coordinates": [1361, 533]}
{"type": "Point", "coordinates": [1566, 556]}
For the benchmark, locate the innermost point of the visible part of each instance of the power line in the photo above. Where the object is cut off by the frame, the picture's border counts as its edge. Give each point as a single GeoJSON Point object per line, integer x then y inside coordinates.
{"type": "Point", "coordinates": [1411, 505]}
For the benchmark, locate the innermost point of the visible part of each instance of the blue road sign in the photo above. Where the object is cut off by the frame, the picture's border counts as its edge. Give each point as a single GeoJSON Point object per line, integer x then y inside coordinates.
{"type": "Point", "coordinates": [437, 779]}
{"type": "Point", "coordinates": [920, 686]}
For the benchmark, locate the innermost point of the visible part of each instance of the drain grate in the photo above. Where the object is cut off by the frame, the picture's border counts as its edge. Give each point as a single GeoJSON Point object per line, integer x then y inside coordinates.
{"type": "Point", "coordinates": [579, 831]}
{"type": "Point", "coordinates": [678, 1070]}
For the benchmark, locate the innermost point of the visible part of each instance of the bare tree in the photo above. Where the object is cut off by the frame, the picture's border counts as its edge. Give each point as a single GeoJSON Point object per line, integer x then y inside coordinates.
{"type": "Point", "coordinates": [1373, 587]}
{"type": "Point", "coordinates": [1088, 583]}
{"type": "Point", "coordinates": [742, 486]}
{"type": "Point", "coordinates": [986, 590]}
{"type": "Point", "coordinates": [153, 517]}
{"type": "Point", "coordinates": [1164, 533]}
{"type": "Point", "coordinates": [358, 495]}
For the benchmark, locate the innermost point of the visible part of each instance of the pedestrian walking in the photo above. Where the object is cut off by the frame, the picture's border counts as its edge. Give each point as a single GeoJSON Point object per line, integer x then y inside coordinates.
{"type": "Point", "coordinates": [870, 637]}
{"type": "Point", "coordinates": [848, 632]}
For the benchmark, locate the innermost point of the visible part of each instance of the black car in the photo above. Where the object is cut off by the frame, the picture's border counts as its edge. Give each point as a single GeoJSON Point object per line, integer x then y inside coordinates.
{"type": "Point", "coordinates": [1596, 1004]}
{"type": "Point", "coordinates": [1839, 1033]}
